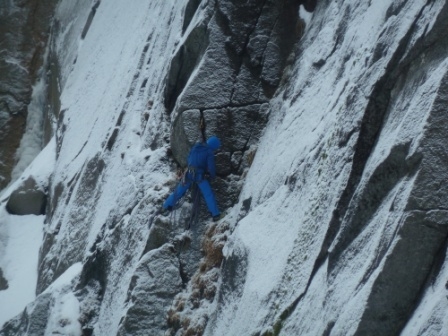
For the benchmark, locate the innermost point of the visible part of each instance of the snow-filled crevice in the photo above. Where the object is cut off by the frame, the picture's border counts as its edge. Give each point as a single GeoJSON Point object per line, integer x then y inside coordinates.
{"type": "Point", "coordinates": [143, 57]}
{"type": "Point", "coordinates": [136, 81]}
{"type": "Point", "coordinates": [53, 95]}
{"type": "Point", "coordinates": [32, 140]}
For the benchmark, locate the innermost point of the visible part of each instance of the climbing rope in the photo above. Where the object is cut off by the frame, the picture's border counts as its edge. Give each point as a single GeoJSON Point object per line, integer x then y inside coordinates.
{"type": "Point", "coordinates": [194, 215]}
{"type": "Point", "coordinates": [202, 128]}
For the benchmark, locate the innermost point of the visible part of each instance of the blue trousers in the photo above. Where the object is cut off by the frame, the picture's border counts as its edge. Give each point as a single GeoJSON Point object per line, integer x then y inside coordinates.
{"type": "Point", "coordinates": [206, 191]}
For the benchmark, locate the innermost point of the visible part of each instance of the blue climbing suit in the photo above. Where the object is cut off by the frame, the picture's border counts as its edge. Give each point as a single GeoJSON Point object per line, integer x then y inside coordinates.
{"type": "Point", "coordinates": [201, 160]}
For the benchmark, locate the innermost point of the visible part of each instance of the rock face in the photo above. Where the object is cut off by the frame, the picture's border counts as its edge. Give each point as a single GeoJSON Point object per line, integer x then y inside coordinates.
{"type": "Point", "coordinates": [3, 281]}
{"type": "Point", "coordinates": [222, 77]}
{"type": "Point", "coordinates": [155, 284]}
{"type": "Point", "coordinates": [28, 199]}
{"type": "Point", "coordinates": [24, 31]}
{"type": "Point", "coordinates": [242, 49]}
{"type": "Point", "coordinates": [368, 231]}
{"type": "Point", "coordinates": [332, 116]}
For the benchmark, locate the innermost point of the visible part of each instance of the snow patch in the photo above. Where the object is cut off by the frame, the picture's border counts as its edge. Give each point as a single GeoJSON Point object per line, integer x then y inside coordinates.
{"type": "Point", "coordinates": [65, 311]}
{"type": "Point", "coordinates": [20, 239]}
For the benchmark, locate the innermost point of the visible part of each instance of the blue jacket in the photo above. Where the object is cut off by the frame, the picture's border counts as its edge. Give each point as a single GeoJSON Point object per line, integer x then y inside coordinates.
{"type": "Point", "coordinates": [202, 158]}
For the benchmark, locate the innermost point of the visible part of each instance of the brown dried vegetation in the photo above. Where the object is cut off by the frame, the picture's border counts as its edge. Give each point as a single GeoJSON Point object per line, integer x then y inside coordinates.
{"type": "Point", "coordinates": [202, 285]}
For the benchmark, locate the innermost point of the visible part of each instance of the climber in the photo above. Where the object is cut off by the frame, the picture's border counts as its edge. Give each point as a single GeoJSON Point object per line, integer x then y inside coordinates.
{"type": "Point", "coordinates": [201, 163]}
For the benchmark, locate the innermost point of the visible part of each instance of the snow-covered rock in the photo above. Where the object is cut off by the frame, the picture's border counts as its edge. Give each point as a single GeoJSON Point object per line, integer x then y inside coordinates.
{"type": "Point", "coordinates": [332, 116]}
{"type": "Point", "coordinates": [27, 199]}
{"type": "Point", "coordinates": [24, 32]}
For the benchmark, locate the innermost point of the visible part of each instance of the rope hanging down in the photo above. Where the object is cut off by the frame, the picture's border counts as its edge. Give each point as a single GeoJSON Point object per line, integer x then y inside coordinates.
{"type": "Point", "coordinates": [202, 128]}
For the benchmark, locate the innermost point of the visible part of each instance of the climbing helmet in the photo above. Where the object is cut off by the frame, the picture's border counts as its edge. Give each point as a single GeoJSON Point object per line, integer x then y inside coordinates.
{"type": "Point", "coordinates": [214, 143]}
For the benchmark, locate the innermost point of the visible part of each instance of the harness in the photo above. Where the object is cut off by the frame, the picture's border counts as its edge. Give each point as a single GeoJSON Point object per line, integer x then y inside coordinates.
{"type": "Point", "coordinates": [191, 173]}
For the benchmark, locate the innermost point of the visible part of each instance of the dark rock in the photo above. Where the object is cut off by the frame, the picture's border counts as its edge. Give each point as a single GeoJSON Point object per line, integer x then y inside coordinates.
{"type": "Point", "coordinates": [185, 133]}
{"type": "Point", "coordinates": [245, 208]}
{"type": "Point", "coordinates": [251, 42]}
{"type": "Point", "coordinates": [28, 199]}
{"type": "Point", "coordinates": [183, 64]}
{"type": "Point", "coordinates": [158, 234]}
{"type": "Point", "coordinates": [223, 163]}
{"type": "Point", "coordinates": [3, 282]}
{"type": "Point", "coordinates": [12, 128]}
{"type": "Point", "coordinates": [24, 31]}
{"type": "Point", "coordinates": [190, 10]}
{"type": "Point", "coordinates": [403, 274]}
{"type": "Point", "coordinates": [90, 18]}
{"type": "Point", "coordinates": [237, 127]}
{"type": "Point", "coordinates": [246, 204]}
{"type": "Point", "coordinates": [309, 5]}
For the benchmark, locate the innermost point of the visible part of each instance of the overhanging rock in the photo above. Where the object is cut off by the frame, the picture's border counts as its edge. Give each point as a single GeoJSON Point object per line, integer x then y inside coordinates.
{"type": "Point", "coordinates": [28, 199]}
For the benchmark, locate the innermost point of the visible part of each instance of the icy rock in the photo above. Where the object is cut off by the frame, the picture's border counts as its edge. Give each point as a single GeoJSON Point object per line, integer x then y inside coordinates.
{"type": "Point", "coordinates": [28, 199]}
{"type": "Point", "coordinates": [33, 320]}
{"type": "Point", "coordinates": [159, 233]}
{"type": "Point", "coordinates": [341, 226]}
{"type": "Point", "coordinates": [154, 285]}
{"type": "Point", "coordinates": [370, 238]}
{"type": "Point", "coordinates": [24, 31]}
